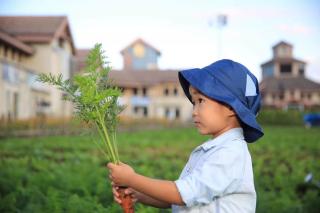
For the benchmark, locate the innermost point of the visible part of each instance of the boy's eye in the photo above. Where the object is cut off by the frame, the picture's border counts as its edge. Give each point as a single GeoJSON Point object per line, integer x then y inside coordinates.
{"type": "Point", "coordinates": [199, 101]}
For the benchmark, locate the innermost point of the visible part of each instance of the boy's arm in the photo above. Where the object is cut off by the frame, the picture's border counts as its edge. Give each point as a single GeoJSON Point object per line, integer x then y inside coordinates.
{"type": "Point", "coordinates": [147, 200]}
{"type": "Point", "coordinates": [159, 190]}
{"type": "Point", "coordinates": [162, 190]}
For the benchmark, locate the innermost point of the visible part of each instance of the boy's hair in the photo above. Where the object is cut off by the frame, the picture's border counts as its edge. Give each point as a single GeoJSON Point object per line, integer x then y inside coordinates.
{"type": "Point", "coordinates": [233, 84]}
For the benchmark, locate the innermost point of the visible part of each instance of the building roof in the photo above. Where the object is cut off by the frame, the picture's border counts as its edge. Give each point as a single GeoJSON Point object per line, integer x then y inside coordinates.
{"type": "Point", "coordinates": [282, 43]}
{"type": "Point", "coordinates": [37, 29]}
{"type": "Point", "coordinates": [282, 61]}
{"type": "Point", "coordinates": [15, 43]}
{"type": "Point", "coordinates": [272, 84]}
{"type": "Point", "coordinates": [139, 40]}
{"type": "Point", "coordinates": [132, 78]}
{"type": "Point", "coordinates": [143, 78]}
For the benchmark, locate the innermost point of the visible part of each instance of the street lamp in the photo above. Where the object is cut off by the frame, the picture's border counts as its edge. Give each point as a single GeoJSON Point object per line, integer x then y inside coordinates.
{"type": "Point", "coordinates": [220, 21]}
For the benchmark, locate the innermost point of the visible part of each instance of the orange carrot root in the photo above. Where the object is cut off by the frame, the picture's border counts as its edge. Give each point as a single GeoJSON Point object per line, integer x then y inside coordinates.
{"type": "Point", "coordinates": [126, 204]}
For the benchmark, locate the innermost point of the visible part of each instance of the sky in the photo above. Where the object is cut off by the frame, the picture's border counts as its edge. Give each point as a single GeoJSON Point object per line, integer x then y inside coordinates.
{"type": "Point", "coordinates": [186, 32]}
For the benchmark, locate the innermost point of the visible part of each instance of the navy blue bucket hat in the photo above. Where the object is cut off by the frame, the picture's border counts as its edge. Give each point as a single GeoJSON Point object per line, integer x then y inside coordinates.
{"type": "Point", "coordinates": [233, 84]}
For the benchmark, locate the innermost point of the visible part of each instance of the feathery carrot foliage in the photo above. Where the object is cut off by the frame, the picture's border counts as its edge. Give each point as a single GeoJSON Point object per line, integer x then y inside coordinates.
{"type": "Point", "coordinates": [94, 98]}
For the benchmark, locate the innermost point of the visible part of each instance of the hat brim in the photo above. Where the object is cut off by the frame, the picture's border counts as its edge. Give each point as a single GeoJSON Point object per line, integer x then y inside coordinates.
{"type": "Point", "coordinates": [211, 87]}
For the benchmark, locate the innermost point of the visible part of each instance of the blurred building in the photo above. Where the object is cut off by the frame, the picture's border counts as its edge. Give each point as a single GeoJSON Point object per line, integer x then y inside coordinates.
{"type": "Point", "coordinates": [30, 45]}
{"type": "Point", "coordinates": [284, 84]}
{"type": "Point", "coordinates": [148, 92]}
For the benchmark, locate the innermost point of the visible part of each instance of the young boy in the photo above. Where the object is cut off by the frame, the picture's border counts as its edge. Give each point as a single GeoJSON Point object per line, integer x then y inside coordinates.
{"type": "Point", "coordinates": [218, 176]}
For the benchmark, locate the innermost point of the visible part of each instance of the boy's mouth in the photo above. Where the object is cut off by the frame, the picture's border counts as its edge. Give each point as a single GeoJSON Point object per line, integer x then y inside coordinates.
{"type": "Point", "coordinates": [196, 123]}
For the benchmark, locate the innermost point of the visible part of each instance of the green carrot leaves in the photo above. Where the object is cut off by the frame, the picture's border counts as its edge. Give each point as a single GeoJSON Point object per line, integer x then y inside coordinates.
{"type": "Point", "coordinates": [94, 97]}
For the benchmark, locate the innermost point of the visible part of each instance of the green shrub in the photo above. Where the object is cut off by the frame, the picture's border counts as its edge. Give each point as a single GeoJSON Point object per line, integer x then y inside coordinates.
{"type": "Point", "coordinates": [280, 117]}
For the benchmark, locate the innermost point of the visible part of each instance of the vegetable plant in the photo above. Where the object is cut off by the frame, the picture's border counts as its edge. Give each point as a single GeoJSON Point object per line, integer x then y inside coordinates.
{"type": "Point", "coordinates": [95, 99]}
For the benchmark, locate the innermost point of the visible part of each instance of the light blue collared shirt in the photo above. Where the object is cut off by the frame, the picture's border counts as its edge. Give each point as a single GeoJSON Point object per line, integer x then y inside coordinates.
{"type": "Point", "coordinates": [218, 177]}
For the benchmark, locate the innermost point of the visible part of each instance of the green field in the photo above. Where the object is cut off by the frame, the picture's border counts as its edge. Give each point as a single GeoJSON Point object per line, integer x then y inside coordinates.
{"type": "Point", "coordinates": [68, 173]}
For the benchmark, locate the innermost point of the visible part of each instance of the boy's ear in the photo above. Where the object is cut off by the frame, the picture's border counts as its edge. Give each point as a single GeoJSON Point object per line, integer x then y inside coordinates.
{"type": "Point", "coordinates": [230, 111]}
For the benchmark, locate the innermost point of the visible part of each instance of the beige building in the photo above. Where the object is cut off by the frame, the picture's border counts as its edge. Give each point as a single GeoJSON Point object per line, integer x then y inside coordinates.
{"type": "Point", "coordinates": [30, 45]}
{"type": "Point", "coordinates": [148, 92]}
{"type": "Point", "coordinates": [284, 84]}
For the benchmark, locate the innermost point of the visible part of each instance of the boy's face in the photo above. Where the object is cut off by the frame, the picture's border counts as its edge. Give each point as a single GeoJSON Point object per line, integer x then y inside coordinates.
{"type": "Point", "coordinates": [210, 116]}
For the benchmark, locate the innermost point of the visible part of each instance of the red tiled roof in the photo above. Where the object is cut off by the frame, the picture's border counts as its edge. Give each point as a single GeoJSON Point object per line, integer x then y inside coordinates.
{"type": "Point", "coordinates": [32, 29]}
{"type": "Point", "coordinates": [16, 43]}
{"type": "Point", "coordinates": [143, 78]}
{"type": "Point", "coordinates": [282, 60]}
{"type": "Point", "coordinates": [272, 84]}
{"type": "Point", "coordinates": [132, 78]}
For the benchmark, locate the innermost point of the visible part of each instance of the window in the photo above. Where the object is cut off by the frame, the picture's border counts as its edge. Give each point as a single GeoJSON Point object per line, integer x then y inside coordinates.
{"type": "Point", "coordinates": [301, 72]}
{"type": "Point", "coordinates": [5, 71]}
{"type": "Point", "coordinates": [144, 91]}
{"type": "Point", "coordinates": [135, 91]}
{"type": "Point", "coordinates": [6, 51]}
{"type": "Point", "coordinates": [167, 112]}
{"type": "Point", "coordinates": [285, 68]}
{"type": "Point", "coordinates": [281, 96]}
{"type": "Point", "coordinates": [145, 111]}
{"type": "Point", "coordinates": [140, 111]}
{"type": "Point", "coordinates": [166, 91]}
{"type": "Point", "coordinates": [177, 113]}
{"type": "Point", "coordinates": [175, 91]}
{"type": "Point", "coordinates": [61, 42]}
{"type": "Point", "coordinates": [135, 109]}
{"type": "Point", "coordinates": [10, 74]}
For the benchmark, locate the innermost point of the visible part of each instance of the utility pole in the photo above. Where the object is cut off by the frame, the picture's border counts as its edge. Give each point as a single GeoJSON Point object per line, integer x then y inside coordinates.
{"type": "Point", "coordinates": [220, 21]}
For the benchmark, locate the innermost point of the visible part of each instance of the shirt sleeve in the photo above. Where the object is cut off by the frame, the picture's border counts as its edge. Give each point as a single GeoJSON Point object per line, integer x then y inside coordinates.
{"type": "Point", "coordinates": [220, 174]}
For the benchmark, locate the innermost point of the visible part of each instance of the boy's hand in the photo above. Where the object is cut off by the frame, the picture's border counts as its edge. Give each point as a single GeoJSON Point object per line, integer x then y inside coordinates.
{"type": "Point", "coordinates": [120, 174]}
{"type": "Point", "coordinates": [129, 191]}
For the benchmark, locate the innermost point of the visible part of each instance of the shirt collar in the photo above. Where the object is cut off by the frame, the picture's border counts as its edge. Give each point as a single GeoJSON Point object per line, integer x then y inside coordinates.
{"type": "Point", "coordinates": [235, 133]}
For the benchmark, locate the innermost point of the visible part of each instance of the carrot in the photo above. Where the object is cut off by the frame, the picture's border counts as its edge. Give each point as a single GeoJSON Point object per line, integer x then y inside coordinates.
{"type": "Point", "coordinates": [126, 201]}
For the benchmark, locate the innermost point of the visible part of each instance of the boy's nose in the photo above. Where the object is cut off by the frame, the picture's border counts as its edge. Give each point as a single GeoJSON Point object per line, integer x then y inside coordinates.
{"type": "Point", "coordinates": [194, 111]}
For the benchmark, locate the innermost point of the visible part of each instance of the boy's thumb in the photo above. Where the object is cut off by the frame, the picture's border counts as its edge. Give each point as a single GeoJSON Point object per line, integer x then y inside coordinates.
{"type": "Point", "coordinates": [110, 165]}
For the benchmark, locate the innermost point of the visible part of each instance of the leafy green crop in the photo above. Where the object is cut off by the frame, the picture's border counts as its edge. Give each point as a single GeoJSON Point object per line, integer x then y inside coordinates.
{"type": "Point", "coordinates": [94, 98]}
{"type": "Point", "coordinates": [67, 173]}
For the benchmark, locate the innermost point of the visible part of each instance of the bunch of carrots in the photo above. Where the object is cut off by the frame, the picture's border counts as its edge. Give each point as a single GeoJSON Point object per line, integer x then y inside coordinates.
{"type": "Point", "coordinates": [95, 100]}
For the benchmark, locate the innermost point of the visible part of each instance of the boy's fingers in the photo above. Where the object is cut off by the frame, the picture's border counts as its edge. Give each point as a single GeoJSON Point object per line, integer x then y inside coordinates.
{"type": "Point", "coordinates": [117, 200]}
{"type": "Point", "coordinates": [128, 191]}
{"type": "Point", "coordinates": [114, 191]}
{"type": "Point", "coordinates": [114, 185]}
{"type": "Point", "coordinates": [110, 165]}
